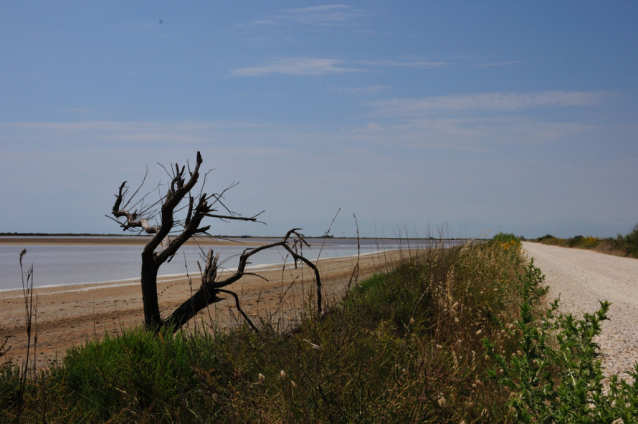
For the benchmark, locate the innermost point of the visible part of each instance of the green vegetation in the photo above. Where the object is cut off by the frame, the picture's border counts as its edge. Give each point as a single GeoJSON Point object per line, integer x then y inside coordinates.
{"type": "Point", "coordinates": [506, 238]}
{"type": "Point", "coordinates": [555, 375]}
{"type": "Point", "coordinates": [450, 335]}
{"type": "Point", "coordinates": [626, 245]}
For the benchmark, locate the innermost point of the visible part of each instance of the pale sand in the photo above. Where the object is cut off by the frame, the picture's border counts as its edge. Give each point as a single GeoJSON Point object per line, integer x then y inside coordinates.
{"type": "Point", "coordinates": [582, 278]}
{"type": "Point", "coordinates": [114, 241]}
{"type": "Point", "coordinates": [69, 315]}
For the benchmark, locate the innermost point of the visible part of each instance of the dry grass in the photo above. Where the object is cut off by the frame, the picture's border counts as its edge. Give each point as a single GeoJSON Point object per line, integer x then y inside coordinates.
{"type": "Point", "coordinates": [402, 346]}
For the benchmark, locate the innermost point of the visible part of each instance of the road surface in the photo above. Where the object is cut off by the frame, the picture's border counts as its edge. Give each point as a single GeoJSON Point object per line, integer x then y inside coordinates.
{"type": "Point", "coordinates": [582, 278]}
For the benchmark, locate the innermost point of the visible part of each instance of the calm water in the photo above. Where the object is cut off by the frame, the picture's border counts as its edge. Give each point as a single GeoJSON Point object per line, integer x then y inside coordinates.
{"type": "Point", "coordinates": [60, 265]}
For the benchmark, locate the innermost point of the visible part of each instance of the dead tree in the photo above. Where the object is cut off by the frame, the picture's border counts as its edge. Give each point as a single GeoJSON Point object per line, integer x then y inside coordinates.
{"type": "Point", "coordinates": [172, 233]}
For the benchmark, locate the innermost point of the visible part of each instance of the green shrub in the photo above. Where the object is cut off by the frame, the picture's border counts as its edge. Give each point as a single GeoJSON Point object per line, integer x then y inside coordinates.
{"type": "Point", "coordinates": [626, 245]}
{"type": "Point", "coordinates": [555, 375]}
{"type": "Point", "coordinates": [631, 240]}
{"type": "Point", "coordinates": [506, 238]}
{"type": "Point", "coordinates": [575, 241]}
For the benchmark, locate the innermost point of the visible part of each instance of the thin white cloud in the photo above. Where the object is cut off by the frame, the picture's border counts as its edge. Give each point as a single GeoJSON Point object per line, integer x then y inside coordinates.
{"type": "Point", "coordinates": [468, 133]}
{"type": "Point", "coordinates": [371, 127]}
{"type": "Point", "coordinates": [326, 15]}
{"type": "Point", "coordinates": [137, 26]}
{"type": "Point", "coordinates": [488, 102]}
{"type": "Point", "coordinates": [317, 66]}
{"type": "Point", "coordinates": [364, 90]}
{"type": "Point", "coordinates": [307, 66]}
{"type": "Point", "coordinates": [132, 132]}
{"type": "Point", "coordinates": [410, 64]}
{"type": "Point", "coordinates": [77, 110]}
{"type": "Point", "coordinates": [490, 65]}
{"type": "Point", "coordinates": [322, 15]}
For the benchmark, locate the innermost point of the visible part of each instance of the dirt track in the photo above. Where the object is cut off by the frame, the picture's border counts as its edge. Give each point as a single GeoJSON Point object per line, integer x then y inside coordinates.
{"type": "Point", "coordinates": [581, 278]}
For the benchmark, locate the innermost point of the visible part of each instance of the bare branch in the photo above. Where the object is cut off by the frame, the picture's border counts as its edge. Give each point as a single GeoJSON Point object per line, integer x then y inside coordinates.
{"type": "Point", "coordinates": [190, 210]}
{"type": "Point", "coordinates": [173, 198]}
{"type": "Point", "coordinates": [240, 309]}
{"type": "Point", "coordinates": [238, 218]}
{"type": "Point", "coordinates": [317, 276]}
{"type": "Point", "coordinates": [136, 191]}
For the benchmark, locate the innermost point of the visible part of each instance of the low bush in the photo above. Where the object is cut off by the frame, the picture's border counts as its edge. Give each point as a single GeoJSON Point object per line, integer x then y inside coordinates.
{"type": "Point", "coordinates": [506, 238]}
{"type": "Point", "coordinates": [626, 245]}
{"type": "Point", "coordinates": [555, 375]}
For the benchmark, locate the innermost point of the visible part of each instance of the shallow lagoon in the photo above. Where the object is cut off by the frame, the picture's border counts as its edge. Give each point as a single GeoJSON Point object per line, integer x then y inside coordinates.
{"type": "Point", "coordinates": [62, 265]}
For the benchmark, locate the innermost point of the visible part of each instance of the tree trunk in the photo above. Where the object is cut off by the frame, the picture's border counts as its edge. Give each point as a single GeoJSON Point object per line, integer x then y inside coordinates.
{"type": "Point", "coordinates": [201, 299]}
{"type": "Point", "coordinates": [152, 318]}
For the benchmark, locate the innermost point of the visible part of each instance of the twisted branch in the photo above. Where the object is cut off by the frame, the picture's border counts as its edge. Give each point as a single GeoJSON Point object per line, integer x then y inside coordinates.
{"type": "Point", "coordinates": [209, 290]}
{"type": "Point", "coordinates": [198, 208]}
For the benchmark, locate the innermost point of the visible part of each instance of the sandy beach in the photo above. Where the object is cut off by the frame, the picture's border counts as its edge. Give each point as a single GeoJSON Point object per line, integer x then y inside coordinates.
{"type": "Point", "coordinates": [69, 315]}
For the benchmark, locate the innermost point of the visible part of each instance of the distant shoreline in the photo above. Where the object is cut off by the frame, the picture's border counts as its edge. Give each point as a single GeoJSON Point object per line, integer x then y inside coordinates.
{"type": "Point", "coordinates": [109, 241]}
{"type": "Point", "coordinates": [23, 236]}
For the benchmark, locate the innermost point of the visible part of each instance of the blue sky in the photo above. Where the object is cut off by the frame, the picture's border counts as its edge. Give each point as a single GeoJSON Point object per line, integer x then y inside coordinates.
{"type": "Point", "coordinates": [478, 116]}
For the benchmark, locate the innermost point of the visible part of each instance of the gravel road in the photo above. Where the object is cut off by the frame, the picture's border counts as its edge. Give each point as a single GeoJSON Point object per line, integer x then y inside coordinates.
{"type": "Point", "coordinates": [581, 278]}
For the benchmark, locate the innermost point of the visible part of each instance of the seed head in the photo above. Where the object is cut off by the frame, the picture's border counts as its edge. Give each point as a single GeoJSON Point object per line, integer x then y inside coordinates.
{"type": "Point", "coordinates": [282, 374]}
{"type": "Point", "coordinates": [442, 402]}
{"type": "Point", "coordinates": [261, 377]}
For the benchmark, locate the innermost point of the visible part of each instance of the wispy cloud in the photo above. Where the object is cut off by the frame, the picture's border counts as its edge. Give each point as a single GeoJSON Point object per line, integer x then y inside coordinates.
{"type": "Point", "coordinates": [322, 15]}
{"type": "Point", "coordinates": [410, 64]}
{"type": "Point", "coordinates": [371, 127]}
{"type": "Point", "coordinates": [318, 66]}
{"type": "Point", "coordinates": [363, 90]}
{"type": "Point", "coordinates": [136, 26]}
{"type": "Point", "coordinates": [130, 132]}
{"type": "Point", "coordinates": [307, 66]}
{"type": "Point", "coordinates": [489, 101]}
{"type": "Point", "coordinates": [490, 65]}
{"type": "Point", "coordinates": [468, 133]}
{"type": "Point", "coordinates": [77, 110]}
{"type": "Point", "coordinates": [326, 15]}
